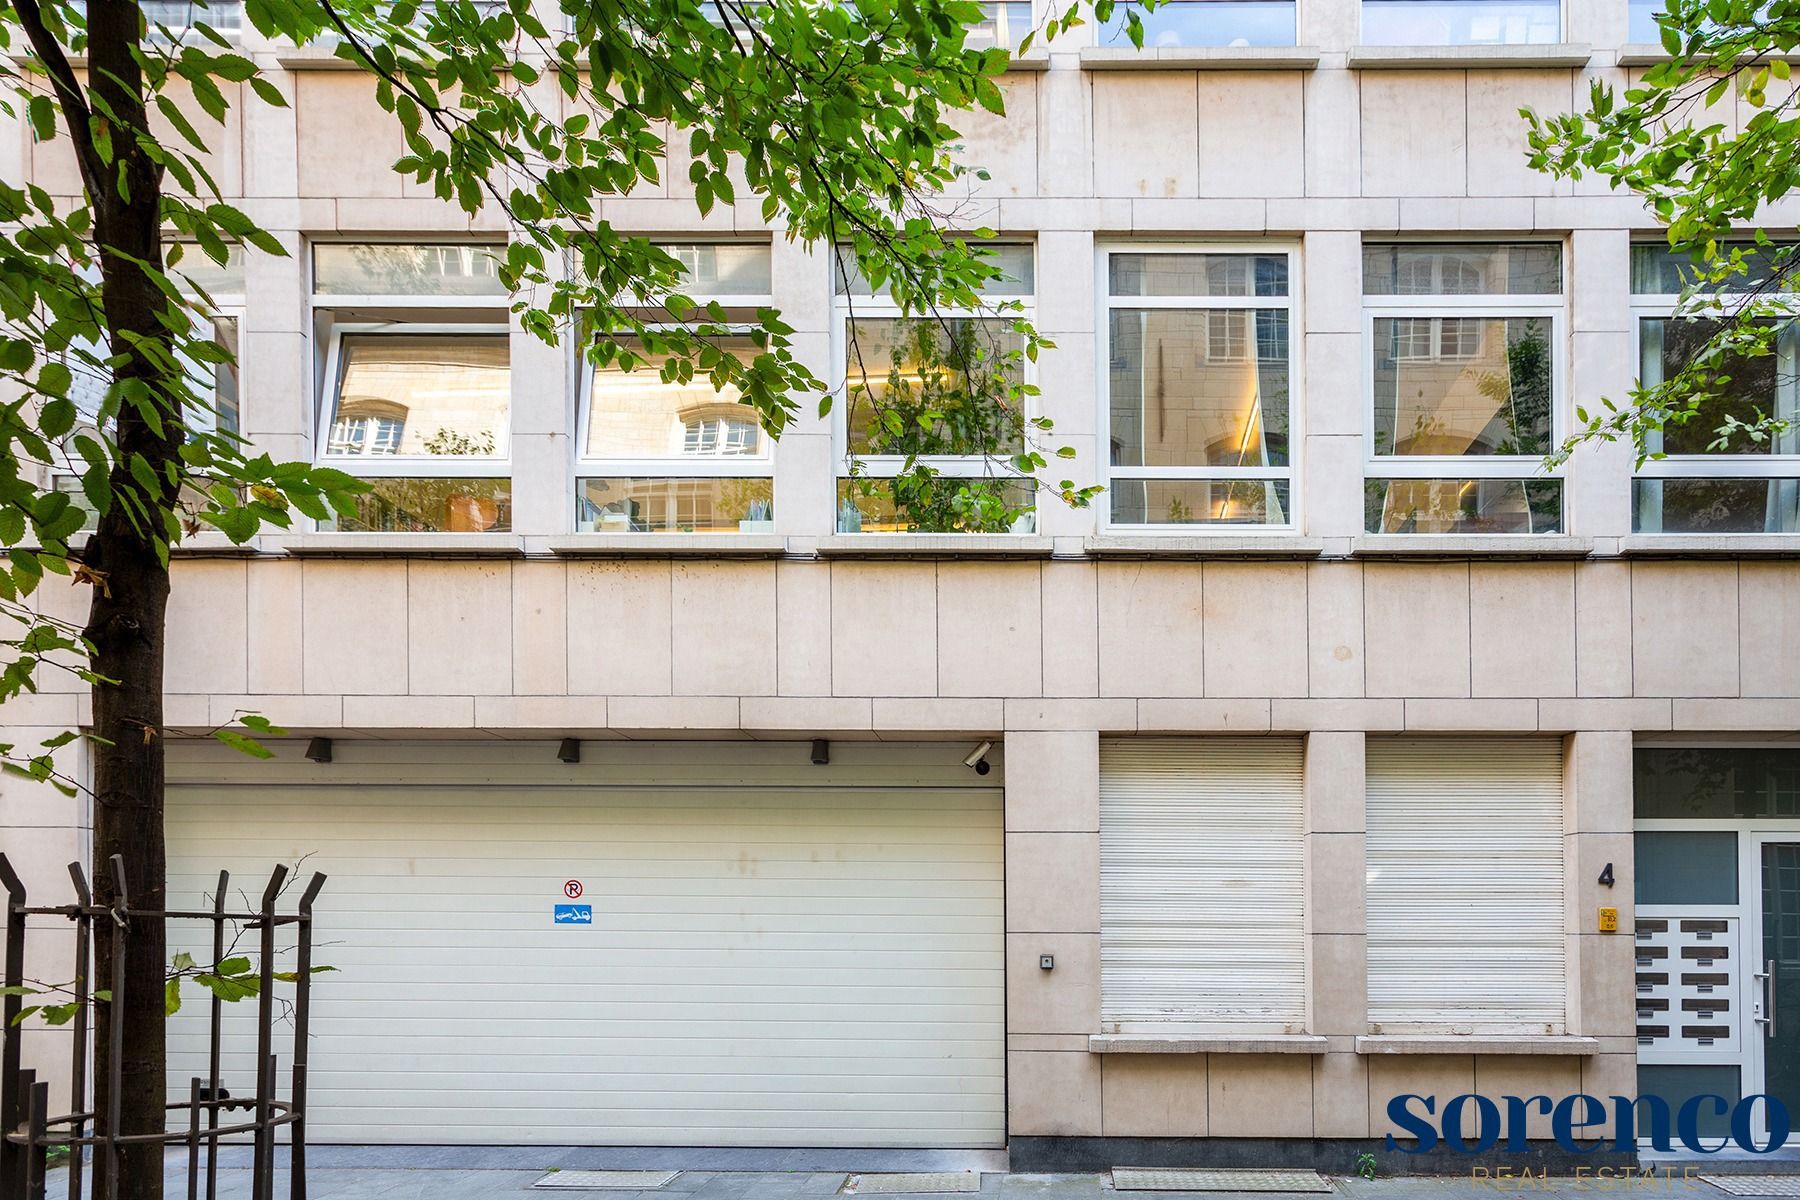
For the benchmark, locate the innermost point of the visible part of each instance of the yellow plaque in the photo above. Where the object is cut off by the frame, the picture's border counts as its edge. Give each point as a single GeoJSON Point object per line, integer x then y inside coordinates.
{"type": "Point", "coordinates": [1609, 920]}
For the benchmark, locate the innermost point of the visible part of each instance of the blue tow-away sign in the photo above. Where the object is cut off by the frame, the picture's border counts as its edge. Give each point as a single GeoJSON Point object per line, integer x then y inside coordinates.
{"type": "Point", "coordinates": [574, 914]}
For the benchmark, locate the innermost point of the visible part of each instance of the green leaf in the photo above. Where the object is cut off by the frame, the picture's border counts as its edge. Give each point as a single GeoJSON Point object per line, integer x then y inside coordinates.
{"type": "Point", "coordinates": [171, 997]}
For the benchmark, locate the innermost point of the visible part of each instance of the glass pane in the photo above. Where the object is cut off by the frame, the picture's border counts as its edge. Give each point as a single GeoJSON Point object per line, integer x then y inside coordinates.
{"type": "Point", "coordinates": [1198, 387]}
{"type": "Point", "coordinates": [1014, 260]}
{"type": "Point", "coordinates": [1641, 24]}
{"type": "Point", "coordinates": [1200, 501]}
{"type": "Point", "coordinates": [1205, 23]}
{"type": "Point", "coordinates": [219, 381]}
{"type": "Point", "coordinates": [1003, 23]}
{"type": "Point", "coordinates": [1463, 505]}
{"type": "Point", "coordinates": [1685, 868]}
{"type": "Point", "coordinates": [198, 269]}
{"type": "Point", "coordinates": [936, 504]}
{"type": "Point", "coordinates": [1676, 1083]}
{"type": "Point", "coordinates": [635, 414]}
{"type": "Point", "coordinates": [625, 505]}
{"type": "Point", "coordinates": [1460, 22]}
{"type": "Point", "coordinates": [1657, 270]}
{"type": "Point", "coordinates": [1751, 388]}
{"type": "Point", "coordinates": [1716, 783]}
{"type": "Point", "coordinates": [903, 372]}
{"type": "Point", "coordinates": [1716, 505]}
{"type": "Point", "coordinates": [398, 505]}
{"type": "Point", "coordinates": [1462, 385]}
{"type": "Point", "coordinates": [1198, 274]}
{"type": "Point", "coordinates": [1464, 269]}
{"type": "Point", "coordinates": [723, 268]}
{"type": "Point", "coordinates": [385, 269]}
{"type": "Point", "coordinates": [439, 394]}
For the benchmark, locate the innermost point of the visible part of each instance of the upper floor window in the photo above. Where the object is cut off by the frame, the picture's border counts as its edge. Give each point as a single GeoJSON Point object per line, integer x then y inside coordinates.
{"type": "Point", "coordinates": [417, 392]}
{"type": "Point", "coordinates": [1703, 474]}
{"type": "Point", "coordinates": [176, 20]}
{"type": "Point", "coordinates": [1204, 23]}
{"type": "Point", "coordinates": [1199, 380]}
{"type": "Point", "coordinates": [1464, 368]}
{"type": "Point", "coordinates": [1460, 22]}
{"type": "Point", "coordinates": [938, 391]}
{"type": "Point", "coordinates": [663, 450]}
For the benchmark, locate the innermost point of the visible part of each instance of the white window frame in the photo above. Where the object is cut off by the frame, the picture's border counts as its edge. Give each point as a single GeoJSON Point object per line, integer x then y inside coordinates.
{"type": "Point", "coordinates": [403, 466]}
{"type": "Point", "coordinates": [1292, 304]}
{"type": "Point", "coordinates": [881, 307]}
{"type": "Point", "coordinates": [1494, 306]}
{"type": "Point", "coordinates": [1646, 305]}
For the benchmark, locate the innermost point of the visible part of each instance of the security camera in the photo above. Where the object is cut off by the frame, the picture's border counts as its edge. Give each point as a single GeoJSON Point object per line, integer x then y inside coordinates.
{"type": "Point", "coordinates": [977, 760]}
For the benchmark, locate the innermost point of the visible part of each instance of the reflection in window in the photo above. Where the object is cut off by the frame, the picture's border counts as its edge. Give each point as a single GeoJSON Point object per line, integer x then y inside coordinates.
{"type": "Point", "coordinates": [933, 388]}
{"type": "Point", "coordinates": [403, 504]}
{"type": "Point", "coordinates": [437, 394]}
{"type": "Point", "coordinates": [1460, 22]}
{"type": "Point", "coordinates": [934, 504]}
{"type": "Point", "coordinates": [1199, 501]}
{"type": "Point", "coordinates": [407, 269]}
{"type": "Point", "coordinates": [1176, 23]}
{"type": "Point", "coordinates": [1004, 23]}
{"type": "Point", "coordinates": [1459, 506]}
{"type": "Point", "coordinates": [1753, 387]}
{"type": "Point", "coordinates": [684, 505]}
{"type": "Point", "coordinates": [638, 414]}
{"type": "Point", "coordinates": [1462, 269]}
{"type": "Point", "coordinates": [1691, 504]}
{"type": "Point", "coordinates": [1462, 385]}
{"type": "Point", "coordinates": [366, 435]}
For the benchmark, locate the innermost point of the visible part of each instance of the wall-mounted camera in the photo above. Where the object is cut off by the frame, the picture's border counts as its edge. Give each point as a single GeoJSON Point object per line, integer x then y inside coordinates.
{"type": "Point", "coordinates": [977, 760]}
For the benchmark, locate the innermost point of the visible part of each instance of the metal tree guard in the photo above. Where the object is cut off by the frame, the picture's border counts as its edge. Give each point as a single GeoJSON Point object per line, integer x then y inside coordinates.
{"type": "Point", "coordinates": [28, 1132]}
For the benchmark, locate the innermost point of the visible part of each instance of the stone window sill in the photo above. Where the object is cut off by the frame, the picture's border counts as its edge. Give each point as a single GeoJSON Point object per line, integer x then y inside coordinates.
{"type": "Point", "coordinates": [1489, 545]}
{"type": "Point", "coordinates": [669, 545]}
{"type": "Point", "coordinates": [1037, 59]}
{"type": "Point", "coordinates": [413, 545]}
{"type": "Point", "coordinates": [1648, 54]}
{"type": "Point", "coordinates": [1206, 1043]}
{"type": "Point", "coordinates": [213, 544]}
{"type": "Point", "coordinates": [1152, 545]}
{"type": "Point", "coordinates": [1560, 55]}
{"type": "Point", "coordinates": [1200, 58]}
{"type": "Point", "coordinates": [1719, 545]}
{"type": "Point", "coordinates": [1410, 1043]}
{"type": "Point", "coordinates": [934, 545]}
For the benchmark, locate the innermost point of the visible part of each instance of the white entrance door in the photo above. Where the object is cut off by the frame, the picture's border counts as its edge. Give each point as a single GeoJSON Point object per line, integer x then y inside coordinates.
{"type": "Point", "coordinates": [778, 955]}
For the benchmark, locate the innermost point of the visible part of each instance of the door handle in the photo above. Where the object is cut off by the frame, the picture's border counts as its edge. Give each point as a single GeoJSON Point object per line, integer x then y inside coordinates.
{"type": "Point", "coordinates": [1767, 975]}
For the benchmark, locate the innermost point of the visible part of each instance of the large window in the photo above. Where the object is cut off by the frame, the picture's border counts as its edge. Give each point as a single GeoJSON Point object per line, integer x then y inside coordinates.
{"type": "Point", "coordinates": [1696, 482]}
{"type": "Point", "coordinates": [661, 449]}
{"type": "Point", "coordinates": [417, 390]}
{"type": "Point", "coordinates": [1460, 22]}
{"type": "Point", "coordinates": [1198, 383]}
{"type": "Point", "coordinates": [1204, 23]}
{"type": "Point", "coordinates": [1465, 355]}
{"type": "Point", "coordinates": [937, 391]}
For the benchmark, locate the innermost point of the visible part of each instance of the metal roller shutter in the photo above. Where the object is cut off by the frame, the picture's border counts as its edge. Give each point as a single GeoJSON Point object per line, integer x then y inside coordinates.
{"type": "Point", "coordinates": [1202, 857]}
{"type": "Point", "coordinates": [1465, 863]}
{"type": "Point", "coordinates": [780, 954]}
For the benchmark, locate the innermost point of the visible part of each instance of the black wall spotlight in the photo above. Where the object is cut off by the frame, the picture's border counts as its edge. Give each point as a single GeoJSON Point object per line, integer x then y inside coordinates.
{"type": "Point", "coordinates": [319, 750]}
{"type": "Point", "coordinates": [569, 751]}
{"type": "Point", "coordinates": [821, 752]}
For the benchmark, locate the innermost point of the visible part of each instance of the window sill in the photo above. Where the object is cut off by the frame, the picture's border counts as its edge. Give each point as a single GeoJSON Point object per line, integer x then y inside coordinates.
{"type": "Point", "coordinates": [1199, 58]}
{"type": "Point", "coordinates": [1564, 1044]}
{"type": "Point", "coordinates": [412, 545]}
{"type": "Point", "coordinates": [669, 545]}
{"type": "Point", "coordinates": [1181, 545]}
{"type": "Point", "coordinates": [1559, 55]}
{"type": "Point", "coordinates": [212, 544]}
{"type": "Point", "coordinates": [1038, 59]}
{"type": "Point", "coordinates": [1648, 54]}
{"type": "Point", "coordinates": [934, 545]}
{"type": "Point", "coordinates": [1474, 545]}
{"type": "Point", "coordinates": [1710, 545]}
{"type": "Point", "coordinates": [1206, 1043]}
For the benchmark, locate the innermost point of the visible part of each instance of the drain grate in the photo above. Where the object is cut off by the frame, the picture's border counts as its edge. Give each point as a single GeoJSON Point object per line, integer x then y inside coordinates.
{"type": "Point", "coordinates": [1160, 1179]}
{"type": "Point", "coordinates": [906, 1183]}
{"type": "Point", "coordinates": [1755, 1185]}
{"type": "Point", "coordinates": [611, 1181]}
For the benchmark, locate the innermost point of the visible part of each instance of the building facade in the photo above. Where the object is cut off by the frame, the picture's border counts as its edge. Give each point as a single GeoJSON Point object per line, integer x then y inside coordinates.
{"type": "Point", "coordinates": [1322, 746]}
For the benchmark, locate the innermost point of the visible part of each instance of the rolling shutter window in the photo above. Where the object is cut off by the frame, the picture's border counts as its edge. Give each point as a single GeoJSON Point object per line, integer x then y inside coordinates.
{"type": "Point", "coordinates": [1465, 869]}
{"type": "Point", "coordinates": [1201, 873]}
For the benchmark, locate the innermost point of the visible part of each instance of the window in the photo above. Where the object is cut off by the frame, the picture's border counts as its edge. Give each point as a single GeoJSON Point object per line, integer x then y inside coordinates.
{"type": "Point", "coordinates": [1460, 22]}
{"type": "Point", "coordinates": [664, 451]}
{"type": "Point", "coordinates": [1464, 368]}
{"type": "Point", "coordinates": [1702, 487]}
{"type": "Point", "coordinates": [1004, 23]}
{"type": "Point", "coordinates": [417, 391]}
{"type": "Point", "coordinates": [900, 372]}
{"type": "Point", "coordinates": [1204, 23]}
{"type": "Point", "coordinates": [1463, 941]}
{"type": "Point", "coordinates": [1202, 913]}
{"type": "Point", "coordinates": [179, 18]}
{"type": "Point", "coordinates": [1199, 374]}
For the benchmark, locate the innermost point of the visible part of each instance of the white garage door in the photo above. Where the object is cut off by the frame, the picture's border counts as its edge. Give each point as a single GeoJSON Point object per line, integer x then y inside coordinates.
{"type": "Point", "coordinates": [779, 955]}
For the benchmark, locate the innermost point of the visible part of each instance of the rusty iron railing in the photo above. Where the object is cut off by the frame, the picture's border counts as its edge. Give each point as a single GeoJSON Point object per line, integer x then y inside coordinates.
{"type": "Point", "coordinates": [28, 1130]}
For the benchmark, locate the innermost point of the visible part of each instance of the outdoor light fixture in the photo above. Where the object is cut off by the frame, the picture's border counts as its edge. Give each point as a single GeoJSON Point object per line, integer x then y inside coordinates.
{"type": "Point", "coordinates": [821, 752]}
{"type": "Point", "coordinates": [319, 750]}
{"type": "Point", "coordinates": [977, 760]}
{"type": "Point", "coordinates": [569, 751]}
